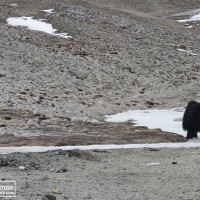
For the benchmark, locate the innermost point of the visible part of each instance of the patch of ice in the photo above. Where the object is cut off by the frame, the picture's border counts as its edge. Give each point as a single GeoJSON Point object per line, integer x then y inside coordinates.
{"type": "Point", "coordinates": [193, 18]}
{"type": "Point", "coordinates": [37, 25]}
{"type": "Point", "coordinates": [48, 11]}
{"type": "Point", "coordinates": [189, 13]}
{"type": "Point", "coordinates": [189, 52]}
{"type": "Point", "coordinates": [25, 149]}
{"type": "Point", "coordinates": [189, 26]}
{"type": "Point", "coordinates": [153, 119]}
{"type": "Point", "coordinates": [153, 164]}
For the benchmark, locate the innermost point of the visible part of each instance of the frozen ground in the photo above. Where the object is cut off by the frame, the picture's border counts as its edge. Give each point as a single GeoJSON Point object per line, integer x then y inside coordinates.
{"type": "Point", "coordinates": [166, 120]}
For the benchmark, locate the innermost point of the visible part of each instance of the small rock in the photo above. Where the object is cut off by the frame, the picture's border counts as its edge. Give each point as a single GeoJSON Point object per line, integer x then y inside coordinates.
{"type": "Point", "coordinates": [35, 165]}
{"type": "Point", "coordinates": [55, 191]}
{"type": "Point", "coordinates": [62, 170]}
{"type": "Point", "coordinates": [174, 163]}
{"type": "Point", "coordinates": [64, 196]}
{"type": "Point", "coordinates": [22, 168]}
{"type": "Point", "coordinates": [79, 74]}
{"type": "Point", "coordinates": [182, 46]}
{"type": "Point", "coordinates": [153, 149]}
{"type": "Point", "coordinates": [7, 118]}
{"type": "Point", "coordinates": [24, 184]}
{"type": "Point", "coordinates": [3, 161]}
{"type": "Point", "coordinates": [150, 103]}
{"type": "Point", "coordinates": [48, 197]}
{"type": "Point", "coordinates": [2, 74]}
{"type": "Point", "coordinates": [60, 152]}
{"type": "Point", "coordinates": [74, 153]}
{"type": "Point", "coordinates": [52, 170]}
{"type": "Point", "coordinates": [2, 125]}
{"type": "Point", "coordinates": [44, 178]}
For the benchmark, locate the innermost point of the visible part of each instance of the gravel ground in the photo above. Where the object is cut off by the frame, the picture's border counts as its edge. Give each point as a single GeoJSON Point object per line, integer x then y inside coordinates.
{"type": "Point", "coordinates": [120, 174]}
{"type": "Point", "coordinates": [116, 61]}
{"type": "Point", "coordinates": [123, 55]}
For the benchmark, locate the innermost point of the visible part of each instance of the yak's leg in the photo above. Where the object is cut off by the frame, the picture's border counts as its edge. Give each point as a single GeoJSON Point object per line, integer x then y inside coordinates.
{"type": "Point", "coordinates": [195, 134]}
{"type": "Point", "coordinates": [190, 134]}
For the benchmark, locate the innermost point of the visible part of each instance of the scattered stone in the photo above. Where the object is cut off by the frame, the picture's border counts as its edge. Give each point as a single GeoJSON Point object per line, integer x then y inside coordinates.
{"type": "Point", "coordinates": [43, 117]}
{"type": "Point", "coordinates": [24, 184]}
{"type": "Point", "coordinates": [62, 170]}
{"type": "Point", "coordinates": [7, 118]}
{"type": "Point", "coordinates": [22, 92]}
{"type": "Point", "coordinates": [35, 165]}
{"type": "Point", "coordinates": [3, 161]}
{"type": "Point", "coordinates": [2, 125]}
{"type": "Point", "coordinates": [64, 196]}
{"type": "Point", "coordinates": [74, 153]}
{"type": "Point", "coordinates": [97, 96]}
{"type": "Point", "coordinates": [60, 152]}
{"type": "Point", "coordinates": [55, 191]}
{"type": "Point", "coordinates": [2, 74]}
{"type": "Point", "coordinates": [48, 197]}
{"type": "Point", "coordinates": [52, 170]}
{"type": "Point", "coordinates": [182, 46]}
{"type": "Point", "coordinates": [153, 149]}
{"type": "Point", "coordinates": [79, 74]}
{"type": "Point", "coordinates": [44, 178]}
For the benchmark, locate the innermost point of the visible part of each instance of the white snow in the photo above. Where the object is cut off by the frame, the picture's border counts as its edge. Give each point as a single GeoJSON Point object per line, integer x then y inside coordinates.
{"type": "Point", "coordinates": [153, 119]}
{"type": "Point", "coordinates": [152, 164]}
{"type": "Point", "coordinates": [193, 18]}
{"type": "Point", "coordinates": [189, 52]}
{"type": "Point", "coordinates": [25, 149]}
{"type": "Point", "coordinates": [48, 11]}
{"type": "Point", "coordinates": [189, 16]}
{"type": "Point", "coordinates": [37, 25]}
{"type": "Point", "coordinates": [189, 26]}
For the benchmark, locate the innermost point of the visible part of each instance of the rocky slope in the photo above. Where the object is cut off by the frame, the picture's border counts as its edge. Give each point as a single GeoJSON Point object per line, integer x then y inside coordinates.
{"type": "Point", "coordinates": [117, 59]}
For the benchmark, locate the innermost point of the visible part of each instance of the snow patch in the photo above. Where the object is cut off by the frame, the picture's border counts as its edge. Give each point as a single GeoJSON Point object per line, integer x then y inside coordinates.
{"type": "Point", "coordinates": [191, 19]}
{"type": "Point", "coordinates": [50, 11]}
{"type": "Point", "coordinates": [189, 52]}
{"type": "Point", "coordinates": [153, 164]}
{"type": "Point", "coordinates": [26, 149]}
{"type": "Point", "coordinates": [165, 120]}
{"type": "Point", "coordinates": [37, 25]}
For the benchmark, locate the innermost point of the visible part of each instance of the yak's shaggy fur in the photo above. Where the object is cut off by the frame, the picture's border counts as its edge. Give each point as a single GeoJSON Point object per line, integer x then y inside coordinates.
{"type": "Point", "coordinates": [191, 119]}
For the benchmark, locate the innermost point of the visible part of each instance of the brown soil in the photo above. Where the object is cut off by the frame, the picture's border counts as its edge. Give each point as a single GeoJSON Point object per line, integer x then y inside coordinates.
{"type": "Point", "coordinates": [63, 131]}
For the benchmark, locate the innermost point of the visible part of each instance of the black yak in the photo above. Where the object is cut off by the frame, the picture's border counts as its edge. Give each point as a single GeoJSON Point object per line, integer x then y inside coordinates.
{"type": "Point", "coordinates": [191, 119]}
